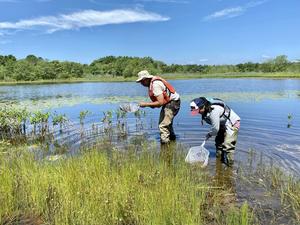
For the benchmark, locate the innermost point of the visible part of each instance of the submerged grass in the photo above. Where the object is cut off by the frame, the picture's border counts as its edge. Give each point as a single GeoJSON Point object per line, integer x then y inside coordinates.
{"type": "Point", "coordinates": [62, 101]}
{"type": "Point", "coordinates": [103, 186]}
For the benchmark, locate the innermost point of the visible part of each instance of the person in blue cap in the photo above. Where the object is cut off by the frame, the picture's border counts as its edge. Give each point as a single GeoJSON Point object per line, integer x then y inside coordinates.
{"type": "Point", "coordinates": [225, 124]}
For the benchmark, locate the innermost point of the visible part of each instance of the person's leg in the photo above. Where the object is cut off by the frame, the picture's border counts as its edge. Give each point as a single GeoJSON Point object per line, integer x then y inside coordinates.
{"type": "Point", "coordinates": [166, 120]}
{"type": "Point", "coordinates": [229, 146]}
{"type": "Point", "coordinates": [174, 106]}
{"type": "Point", "coordinates": [219, 140]}
{"type": "Point", "coordinates": [172, 133]}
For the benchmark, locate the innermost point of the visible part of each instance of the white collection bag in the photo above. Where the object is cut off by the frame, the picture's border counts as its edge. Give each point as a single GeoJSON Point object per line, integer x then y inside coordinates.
{"type": "Point", "coordinates": [198, 154]}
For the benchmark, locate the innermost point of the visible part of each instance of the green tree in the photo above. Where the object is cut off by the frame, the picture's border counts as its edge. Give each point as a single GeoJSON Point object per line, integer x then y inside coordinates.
{"type": "Point", "coordinates": [32, 59]}
{"type": "Point", "coordinates": [281, 62]}
{"type": "Point", "coordinates": [2, 72]}
{"type": "Point", "coordinates": [24, 71]}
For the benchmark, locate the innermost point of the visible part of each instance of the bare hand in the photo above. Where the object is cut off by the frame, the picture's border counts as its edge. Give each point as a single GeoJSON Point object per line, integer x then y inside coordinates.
{"type": "Point", "coordinates": [143, 104]}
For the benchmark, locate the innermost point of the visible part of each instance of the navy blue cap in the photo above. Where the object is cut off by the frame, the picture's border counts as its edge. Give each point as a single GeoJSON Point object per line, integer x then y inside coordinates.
{"type": "Point", "coordinates": [199, 102]}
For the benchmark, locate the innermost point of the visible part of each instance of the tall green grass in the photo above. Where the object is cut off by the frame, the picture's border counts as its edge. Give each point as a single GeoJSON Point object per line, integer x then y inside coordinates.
{"type": "Point", "coordinates": [104, 186]}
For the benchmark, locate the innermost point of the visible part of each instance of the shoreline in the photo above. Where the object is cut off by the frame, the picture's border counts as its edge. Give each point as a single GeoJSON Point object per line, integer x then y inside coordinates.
{"type": "Point", "coordinates": [180, 76]}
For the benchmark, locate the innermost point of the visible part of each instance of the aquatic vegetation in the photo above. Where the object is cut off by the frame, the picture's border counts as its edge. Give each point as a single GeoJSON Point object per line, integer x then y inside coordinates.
{"type": "Point", "coordinates": [290, 118]}
{"type": "Point", "coordinates": [39, 120]}
{"type": "Point", "coordinates": [107, 117]}
{"type": "Point", "coordinates": [121, 123]}
{"type": "Point", "coordinates": [138, 115]}
{"type": "Point", "coordinates": [72, 100]}
{"type": "Point", "coordinates": [281, 193]}
{"type": "Point", "coordinates": [82, 115]}
{"type": "Point", "coordinates": [108, 186]}
{"type": "Point", "coordinates": [60, 120]}
{"type": "Point", "coordinates": [12, 122]}
{"type": "Point", "coordinates": [135, 184]}
{"type": "Point", "coordinates": [120, 189]}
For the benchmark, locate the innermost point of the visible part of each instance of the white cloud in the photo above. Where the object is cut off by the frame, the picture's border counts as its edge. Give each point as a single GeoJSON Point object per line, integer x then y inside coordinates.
{"type": "Point", "coordinates": [86, 18]}
{"type": "Point", "coordinates": [233, 11]}
{"type": "Point", "coordinates": [226, 13]}
{"type": "Point", "coordinates": [266, 56]}
{"type": "Point", "coordinates": [295, 61]}
{"type": "Point", "coordinates": [203, 60]}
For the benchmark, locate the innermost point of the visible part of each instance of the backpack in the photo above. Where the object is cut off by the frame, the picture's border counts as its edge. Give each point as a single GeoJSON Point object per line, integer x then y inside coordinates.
{"type": "Point", "coordinates": [220, 102]}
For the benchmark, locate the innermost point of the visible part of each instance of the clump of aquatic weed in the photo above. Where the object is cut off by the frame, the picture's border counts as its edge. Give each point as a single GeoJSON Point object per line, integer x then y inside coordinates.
{"type": "Point", "coordinates": [119, 188]}
{"type": "Point", "coordinates": [273, 195]}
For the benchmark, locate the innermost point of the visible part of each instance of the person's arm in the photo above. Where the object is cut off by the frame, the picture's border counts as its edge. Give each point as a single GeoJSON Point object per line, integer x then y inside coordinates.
{"type": "Point", "coordinates": [158, 103]}
{"type": "Point", "coordinates": [215, 123]}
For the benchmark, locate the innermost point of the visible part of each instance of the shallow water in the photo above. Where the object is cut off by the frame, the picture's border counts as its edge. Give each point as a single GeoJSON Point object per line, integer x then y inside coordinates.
{"type": "Point", "coordinates": [263, 105]}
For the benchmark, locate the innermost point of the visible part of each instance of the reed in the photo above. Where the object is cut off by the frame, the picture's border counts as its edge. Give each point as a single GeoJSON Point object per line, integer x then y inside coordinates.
{"type": "Point", "coordinates": [124, 188]}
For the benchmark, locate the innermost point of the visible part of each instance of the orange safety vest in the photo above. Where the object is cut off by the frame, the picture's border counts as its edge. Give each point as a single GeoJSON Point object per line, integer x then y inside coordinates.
{"type": "Point", "coordinates": [170, 88]}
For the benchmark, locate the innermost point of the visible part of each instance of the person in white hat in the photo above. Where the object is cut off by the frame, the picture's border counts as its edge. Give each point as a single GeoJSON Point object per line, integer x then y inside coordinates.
{"type": "Point", "coordinates": [225, 125]}
{"type": "Point", "coordinates": [162, 94]}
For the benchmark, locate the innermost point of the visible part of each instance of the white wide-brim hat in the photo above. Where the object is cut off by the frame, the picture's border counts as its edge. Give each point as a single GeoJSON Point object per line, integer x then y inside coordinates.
{"type": "Point", "coordinates": [143, 75]}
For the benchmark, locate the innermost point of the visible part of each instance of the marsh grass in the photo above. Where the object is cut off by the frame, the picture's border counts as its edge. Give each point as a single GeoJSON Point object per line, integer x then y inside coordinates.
{"type": "Point", "coordinates": [136, 185]}
{"type": "Point", "coordinates": [119, 188]}
{"type": "Point", "coordinates": [273, 194]}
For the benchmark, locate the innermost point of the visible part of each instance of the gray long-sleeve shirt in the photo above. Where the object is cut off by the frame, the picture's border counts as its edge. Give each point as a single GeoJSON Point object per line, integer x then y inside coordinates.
{"type": "Point", "coordinates": [215, 120]}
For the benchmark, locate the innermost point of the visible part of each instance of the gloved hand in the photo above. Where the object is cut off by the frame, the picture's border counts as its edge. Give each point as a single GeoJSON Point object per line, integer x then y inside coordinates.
{"type": "Point", "coordinates": [208, 136]}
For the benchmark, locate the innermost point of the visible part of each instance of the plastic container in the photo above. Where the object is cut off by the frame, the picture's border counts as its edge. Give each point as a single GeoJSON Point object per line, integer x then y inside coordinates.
{"type": "Point", "coordinates": [198, 154]}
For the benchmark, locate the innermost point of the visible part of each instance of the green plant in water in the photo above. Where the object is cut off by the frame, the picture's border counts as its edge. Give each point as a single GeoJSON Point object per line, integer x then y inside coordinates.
{"type": "Point", "coordinates": [121, 114]}
{"type": "Point", "coordinates": [290, 118]}
{"type": "Point", "coordinates": [82, 115]}
{"type": "Point", "coordinates": [107, 117]}
{"type": "Point", "coordinates": [138, 115]}
{"type": "Point", "coordinates": [107, 122]}
{"type": "Point", "coordinates": [13, 122]}
{"type": "Point", "coordinates": [59, 120]}
{"type": "Point", "coordinates": [121, 124]}
{"type": "Point", "coordinates": [40, 120]}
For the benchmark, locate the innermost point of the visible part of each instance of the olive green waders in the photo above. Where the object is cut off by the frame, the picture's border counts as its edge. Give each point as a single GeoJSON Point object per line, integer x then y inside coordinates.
{"type": "Point", "coordinates": [225, 145]}
{"type": "Point", "coordinates": [167, 114]}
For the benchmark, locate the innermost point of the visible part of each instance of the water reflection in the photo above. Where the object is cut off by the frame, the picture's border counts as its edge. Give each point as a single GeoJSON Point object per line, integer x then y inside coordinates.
{"type": "Point", "coordinates": [224, 176]}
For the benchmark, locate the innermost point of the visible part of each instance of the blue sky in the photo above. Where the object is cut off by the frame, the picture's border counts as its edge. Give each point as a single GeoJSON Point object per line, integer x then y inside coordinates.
{"type": "Point", "coordinates": [173, 31]}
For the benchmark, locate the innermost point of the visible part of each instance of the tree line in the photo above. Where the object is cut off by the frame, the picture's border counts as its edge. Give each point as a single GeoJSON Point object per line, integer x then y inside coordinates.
{"type": "Point", "coordinates": [36, 68]}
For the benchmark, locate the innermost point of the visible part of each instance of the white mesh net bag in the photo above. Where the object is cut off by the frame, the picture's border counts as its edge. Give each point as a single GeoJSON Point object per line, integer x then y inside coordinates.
{"type": "Point", "coordinates": [198, 154]}
{"type": "Point", "coordinates": [130, 107]}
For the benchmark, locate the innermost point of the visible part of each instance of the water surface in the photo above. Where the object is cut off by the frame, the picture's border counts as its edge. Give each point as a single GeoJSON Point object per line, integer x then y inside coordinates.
{"type": "Point", "coordinates": [262, 104]}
